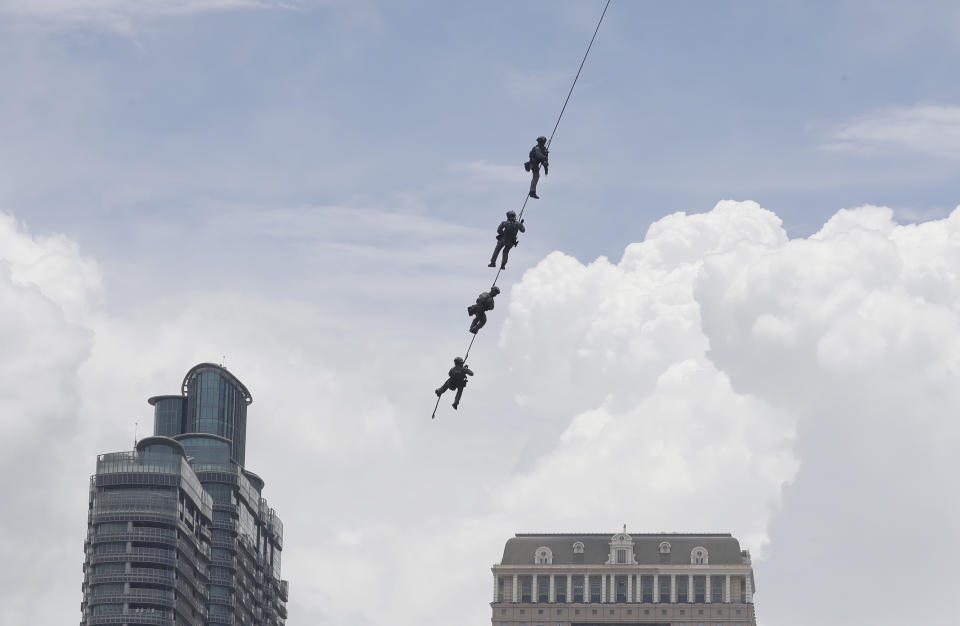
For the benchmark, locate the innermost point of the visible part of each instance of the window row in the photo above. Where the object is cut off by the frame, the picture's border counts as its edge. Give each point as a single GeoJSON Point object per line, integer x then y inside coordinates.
{"type": "Point", "coordinates": [587, 588]}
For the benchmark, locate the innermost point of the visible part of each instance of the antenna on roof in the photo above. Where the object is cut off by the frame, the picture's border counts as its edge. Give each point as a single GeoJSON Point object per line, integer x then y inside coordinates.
{"type": "Point", "coordinates": [223, 359]}
{"type": "Point", "coordinates": [624, 529]}
{"type": "Point", "coordinates": [135, 424]}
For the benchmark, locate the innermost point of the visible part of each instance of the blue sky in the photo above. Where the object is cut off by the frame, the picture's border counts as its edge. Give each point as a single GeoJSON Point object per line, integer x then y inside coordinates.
{"type": "Point", "coordinates": [312, 188]}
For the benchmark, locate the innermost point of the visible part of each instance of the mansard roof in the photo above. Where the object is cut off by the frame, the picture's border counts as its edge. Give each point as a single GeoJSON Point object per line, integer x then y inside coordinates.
{"type": "Point", "coordinates": [723, 548]}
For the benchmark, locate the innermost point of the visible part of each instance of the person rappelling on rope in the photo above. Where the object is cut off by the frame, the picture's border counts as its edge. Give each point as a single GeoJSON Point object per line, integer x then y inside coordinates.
{"type": "Point", "coordinates": [479, 310]}
{"type": "Point", "coordinates": [538, 157]}
{"type": "Point", "coordinates": [506, 238]}
{"type": "Point", "coordinates": [456, 380]}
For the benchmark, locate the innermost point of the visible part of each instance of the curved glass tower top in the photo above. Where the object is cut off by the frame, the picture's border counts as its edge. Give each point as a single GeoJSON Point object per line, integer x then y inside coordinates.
{"type": "Point", "coordinates": [213, 401]}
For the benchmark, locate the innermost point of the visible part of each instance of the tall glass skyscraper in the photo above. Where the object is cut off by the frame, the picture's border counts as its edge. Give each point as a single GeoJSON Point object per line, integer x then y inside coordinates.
{"type": "Point", "coordinates": [178, 530]}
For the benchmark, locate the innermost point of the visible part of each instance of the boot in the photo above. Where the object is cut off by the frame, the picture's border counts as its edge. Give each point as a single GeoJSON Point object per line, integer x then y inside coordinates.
{"type": "Point", "coordinates": [533, 194]}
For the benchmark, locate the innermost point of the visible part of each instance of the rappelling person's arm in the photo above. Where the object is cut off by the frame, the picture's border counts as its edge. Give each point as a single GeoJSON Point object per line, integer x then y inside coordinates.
{"type": "Point", "coordinates": [501, 228]}
{"type": "Point", "coordinates": [522, 228]}
{"type": "Point", "coordinates": [467, 371]}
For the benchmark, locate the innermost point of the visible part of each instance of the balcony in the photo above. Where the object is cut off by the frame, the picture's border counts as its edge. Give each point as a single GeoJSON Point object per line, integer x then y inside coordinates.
{"type": "Point", "coordinates": [152, 535]}
{"type": "Point", "coordinates": [132, 618]}
{"type": "Point", "coordinates": [144, 596]}
{"type": "Point", "coordinates": [135, 575]}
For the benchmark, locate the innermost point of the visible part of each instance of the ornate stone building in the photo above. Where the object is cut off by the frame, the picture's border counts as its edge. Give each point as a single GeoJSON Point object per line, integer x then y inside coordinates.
{"type": "Point", "coordinates": [671, 579]}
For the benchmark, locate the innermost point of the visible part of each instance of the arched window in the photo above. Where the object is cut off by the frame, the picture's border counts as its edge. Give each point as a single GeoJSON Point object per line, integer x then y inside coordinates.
{"type": "Point", "coordinates": [578, 547]}
{"type": "Point", "coordinates": [543, 556]}
{"type": "Point", "coordinates": [665, 547]}
{"type": "Point", "coordinates": [699, 556]}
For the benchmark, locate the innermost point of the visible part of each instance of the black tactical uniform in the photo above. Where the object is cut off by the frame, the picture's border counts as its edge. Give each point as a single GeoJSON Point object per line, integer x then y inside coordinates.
{"type": "Point", "coordinates": [479, 310]}
{"type": "Point", "coordinates": [456, 380]}
{"type": "Point", "coordinates": [538, 156]}
{"type": "Point", "coordinates": [506, 238]}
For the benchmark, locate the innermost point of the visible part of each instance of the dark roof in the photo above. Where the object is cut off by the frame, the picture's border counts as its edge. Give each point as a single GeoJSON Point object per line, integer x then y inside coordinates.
{"type": "Point", "coordinates": [722, 548]}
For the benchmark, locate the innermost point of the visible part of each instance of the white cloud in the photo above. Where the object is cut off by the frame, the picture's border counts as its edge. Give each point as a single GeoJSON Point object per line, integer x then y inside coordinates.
{"type": "Point", "coordinates": [719, 362]}
{"type": "Point", "coordinates": [482, 171]}
{"type": "Point", "coordinates": [932, 130]}
{"type": "Point", "coordinates": [121, 15]}
{"type": "Point", "coordinates": [658, 436]}
{"type": "Point", "coordinates": [46, 287]}
{"type": "Point", "coordinates": [679, 388]}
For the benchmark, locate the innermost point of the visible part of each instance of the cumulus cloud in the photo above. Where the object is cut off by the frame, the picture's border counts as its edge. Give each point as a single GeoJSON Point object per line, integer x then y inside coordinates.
{"type": "Point", "coordinates": [798, 392]}
{"type": "Point", "coordinates": [927, 129]}
{"type": "Point", "coordinates": [46, 289]}
{"type": "Point", "coordinates": [718, 377]}
{"type": "Point", "coordinates": [658, 436]}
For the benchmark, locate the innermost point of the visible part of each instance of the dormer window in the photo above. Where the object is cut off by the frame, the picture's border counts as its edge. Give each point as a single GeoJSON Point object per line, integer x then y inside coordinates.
{"type": "Point", "coordinates": [543, 556]}
{"type": "Point", "coordinates": [578, 547]}
{"type": "Point", "coordinates": [665, 547]}
{"type": "Point", "coordinates": [699, 556]}
{"type": "Point", "coordinates": [621, 550]}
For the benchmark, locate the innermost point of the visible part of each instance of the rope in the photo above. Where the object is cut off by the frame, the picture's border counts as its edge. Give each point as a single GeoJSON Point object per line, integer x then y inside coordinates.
{"type": "Point", "coordinates": [578, 72]}
{"type": "Point", "coordinates": [527, 197]}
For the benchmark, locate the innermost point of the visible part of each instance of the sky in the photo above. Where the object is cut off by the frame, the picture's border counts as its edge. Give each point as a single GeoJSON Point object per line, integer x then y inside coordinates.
{"type": "Point", "coordinates": [735, 307]}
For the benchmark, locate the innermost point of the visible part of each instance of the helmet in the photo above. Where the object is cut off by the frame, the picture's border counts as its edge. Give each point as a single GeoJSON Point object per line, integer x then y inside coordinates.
{"type": "Point", "coordinates": [458, 361]}
{"type": "Point", "coordinates": [511, 214]}
{"type": "Point", "coordinates": [541, 139]}
{"type": "Point", "coordinates": [494, 290]}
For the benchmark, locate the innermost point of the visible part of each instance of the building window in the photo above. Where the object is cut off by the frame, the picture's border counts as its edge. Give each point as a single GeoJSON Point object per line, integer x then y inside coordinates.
{"type": "Point", "coordinates": [525, 584]}
{"type": "Point", "coordinates": [621, 588]}
{"type": "Point", "coordinates": [699, 556]}
{"type": "Point", "coordinates": [578, 547]}
{"type": "Point", "coordinates": [665, 547]}
{"type": "Point", "coordinates": [665, 589]}
{"type": "Point", "coordinates": [561, 589]}
{"type": "Point", "coordinates": [646, 588]}
{"type": "Point", "coordinates": [682, 589]}
{"type": "Point", "coordinates": [543, 589]}
{"type": "Point", "coordinates": [699, 589]}
{"type": "Point", "coordinates": [716, 589]}
{"type": "Point", "coordinates": [595, 589]}
{"type": "Point", "coordinates": [578, 588]}
{"type": "Point", "coordinates": [621, 555]}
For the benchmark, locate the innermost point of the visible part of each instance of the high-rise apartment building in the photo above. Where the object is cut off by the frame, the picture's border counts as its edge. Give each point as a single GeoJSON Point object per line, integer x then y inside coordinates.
{"type": "Point", "coordinates": [178, 529]}
{"type": "Point", "coordinates": [629, 580]}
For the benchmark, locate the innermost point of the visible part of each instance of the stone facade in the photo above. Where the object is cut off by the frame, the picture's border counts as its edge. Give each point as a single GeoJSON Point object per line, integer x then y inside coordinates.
{"type": "Point", "coordinates": [670, 579]}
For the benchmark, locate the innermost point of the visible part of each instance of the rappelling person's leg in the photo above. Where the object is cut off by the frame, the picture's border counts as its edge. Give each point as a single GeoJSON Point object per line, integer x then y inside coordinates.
{"type": "Point", "coordinates": [496, 252]}
{"type": "Point", "coordinates": [506, 255]}
{"type": "Point", "coordinates": [535, 168]}
{"type": "Point", "coordinates": [442, 388]}
{"type": "Point", "coordinates": [456, 400]}
{"type": "Point", "coordinates": [478, 322]}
